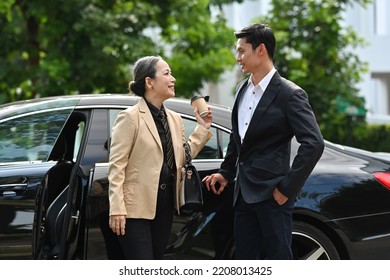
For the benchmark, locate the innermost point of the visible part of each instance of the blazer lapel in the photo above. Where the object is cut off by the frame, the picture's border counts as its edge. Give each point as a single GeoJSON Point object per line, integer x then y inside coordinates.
{"type": "Point", "coordinates": [146, 115]}
{"type": "Point", "coordinates": [239, 93]}
{"type": "Point", "coordinates": [266, 100]}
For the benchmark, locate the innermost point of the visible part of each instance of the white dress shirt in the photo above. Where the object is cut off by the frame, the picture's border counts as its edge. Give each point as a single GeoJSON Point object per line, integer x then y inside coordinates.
{"type": "Point", "coordinates": [249, 101]}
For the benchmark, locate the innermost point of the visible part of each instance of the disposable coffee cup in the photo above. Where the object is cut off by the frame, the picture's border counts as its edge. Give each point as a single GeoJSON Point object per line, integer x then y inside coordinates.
{"type": "Point", "coordinates": [200, 103]}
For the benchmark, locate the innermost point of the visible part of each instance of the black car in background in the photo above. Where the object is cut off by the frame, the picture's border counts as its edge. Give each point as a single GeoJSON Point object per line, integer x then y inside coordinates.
{"type": "Point", "coordinates": [53, 189]}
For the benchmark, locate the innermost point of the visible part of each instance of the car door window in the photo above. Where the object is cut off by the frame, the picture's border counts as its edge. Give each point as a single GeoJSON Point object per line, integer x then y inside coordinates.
{"type": "Point", "coordinates": [78, 139]}
{"type": "Point", "coordinates": [224, 141]}
{"type": "Point", "coordinates": [112, 117]}
{"type": "Point", "coordinates": [30, 137]}
{"type": "Point", "coordinates": [210, 150]}
{"type": "Point", "coordinates": [216, 147]}
{"type": "Point", "coordinates": [96, 149]}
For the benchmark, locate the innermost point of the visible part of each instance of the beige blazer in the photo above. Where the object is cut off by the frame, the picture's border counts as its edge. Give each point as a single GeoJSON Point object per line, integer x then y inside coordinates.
{"type": "Point", "coordinates": [136, 159]}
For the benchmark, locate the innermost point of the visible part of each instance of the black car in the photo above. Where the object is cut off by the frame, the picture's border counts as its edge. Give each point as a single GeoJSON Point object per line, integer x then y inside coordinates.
{"type": "Point", "coordinates": [53, 189]}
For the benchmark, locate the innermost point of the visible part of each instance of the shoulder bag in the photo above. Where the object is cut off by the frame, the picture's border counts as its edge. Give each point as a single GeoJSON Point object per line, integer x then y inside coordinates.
{"type": "Point", "coordinates": [191, 195]}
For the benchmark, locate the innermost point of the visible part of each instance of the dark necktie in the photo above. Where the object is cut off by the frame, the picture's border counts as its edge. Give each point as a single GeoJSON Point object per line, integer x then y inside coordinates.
{"type": "Point", "coordinates": [168, 138]}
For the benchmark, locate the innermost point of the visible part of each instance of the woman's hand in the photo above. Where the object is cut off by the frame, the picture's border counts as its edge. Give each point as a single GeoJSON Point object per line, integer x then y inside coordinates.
{"type": "Point", "coordinates": [206, 120]}
{"type": "Point", "coordinates": [117, 224]}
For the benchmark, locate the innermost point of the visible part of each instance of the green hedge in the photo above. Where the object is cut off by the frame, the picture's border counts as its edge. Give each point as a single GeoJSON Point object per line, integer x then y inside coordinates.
{"type": "Point", "coordinates": [375, 138]}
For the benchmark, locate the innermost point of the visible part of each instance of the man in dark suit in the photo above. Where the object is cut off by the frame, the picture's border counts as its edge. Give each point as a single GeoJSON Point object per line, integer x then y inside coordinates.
{"type": "Point", "coordinates": [268, 112]}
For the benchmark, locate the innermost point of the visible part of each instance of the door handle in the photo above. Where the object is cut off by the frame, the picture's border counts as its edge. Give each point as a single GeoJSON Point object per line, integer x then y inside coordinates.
{"type": "Point", "coordinates": [9, 190]}
{"type": "Point", "coordinates": [76, 217]}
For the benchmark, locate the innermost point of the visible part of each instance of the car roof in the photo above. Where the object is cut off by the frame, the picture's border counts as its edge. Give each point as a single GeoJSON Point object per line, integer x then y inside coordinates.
{"type": "Point", "coordinates": [121, 101]}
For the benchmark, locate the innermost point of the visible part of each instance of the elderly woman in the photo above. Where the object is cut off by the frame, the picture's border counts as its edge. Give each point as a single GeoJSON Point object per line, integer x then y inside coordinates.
{"type": "Point", "coordinates": [146, 157]}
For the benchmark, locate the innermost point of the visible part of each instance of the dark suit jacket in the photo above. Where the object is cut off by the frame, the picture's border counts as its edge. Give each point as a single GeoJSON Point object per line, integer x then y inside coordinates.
{"type": "Point", "coordinates": [262, 161]}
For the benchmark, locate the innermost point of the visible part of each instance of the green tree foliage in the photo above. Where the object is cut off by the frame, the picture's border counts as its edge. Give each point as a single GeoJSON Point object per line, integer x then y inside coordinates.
{"type": "Point", "coordinates": [316, 52]}
{"type": "Point", "coordinates": [200, 48]}
{"type": "Point", "coordinates": [51, 47]}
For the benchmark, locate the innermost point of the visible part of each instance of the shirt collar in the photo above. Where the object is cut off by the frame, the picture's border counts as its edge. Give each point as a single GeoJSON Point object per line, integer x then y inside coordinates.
{"type": "Point", "coordinates": [265, 81]}
{"type": "Point", "coordinates": [153, 109]}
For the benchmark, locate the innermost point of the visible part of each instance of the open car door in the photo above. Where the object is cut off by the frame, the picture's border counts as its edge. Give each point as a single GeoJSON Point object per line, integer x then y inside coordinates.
{"type": "Point", "coordinates": [52, 195]}
{"type": "Point", "coordinates": [28, 133]}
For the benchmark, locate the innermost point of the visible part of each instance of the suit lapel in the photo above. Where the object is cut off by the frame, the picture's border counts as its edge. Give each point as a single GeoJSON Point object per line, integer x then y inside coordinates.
{"type": "Point", "coordinates": [241, 88]}
{"type": "Point", "coordinates": [266, 100]}
{"type": "Point", "coordinates": [146, 115]}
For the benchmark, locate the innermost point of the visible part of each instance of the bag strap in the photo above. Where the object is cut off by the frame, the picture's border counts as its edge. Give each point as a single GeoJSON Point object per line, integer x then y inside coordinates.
{"type": "Point", "coordinates": [187, 150]}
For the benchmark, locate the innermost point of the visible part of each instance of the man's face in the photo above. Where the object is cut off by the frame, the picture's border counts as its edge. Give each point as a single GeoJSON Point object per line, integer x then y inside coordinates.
{"type": "Point", "coordinates": [248, 58]}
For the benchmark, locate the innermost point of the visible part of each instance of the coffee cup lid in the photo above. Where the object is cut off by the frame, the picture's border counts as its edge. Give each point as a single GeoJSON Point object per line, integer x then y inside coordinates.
{"type": "Point", "coordinates": [199, 96]}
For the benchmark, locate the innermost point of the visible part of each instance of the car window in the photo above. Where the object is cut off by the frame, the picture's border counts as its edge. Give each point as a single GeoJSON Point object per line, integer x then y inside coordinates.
{"type": "Point", "coordinates": [96, 149]}
{"type": "Point", "coordinates": [78, 139]}
{"type": "Point", "coordinates": [112, 117]}
{"type": "Point", "coordinates": [112, 114]}
{"type": "Point", "coordinates": [210, 150]}
{"type": "Point", "coordinates": [30, 137]}
{"type": "Point", "coordinates": [224, 141]}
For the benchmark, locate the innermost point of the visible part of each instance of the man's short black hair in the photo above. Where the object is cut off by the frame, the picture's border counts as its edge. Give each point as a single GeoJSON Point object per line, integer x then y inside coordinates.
{"type": "Point", "coordinates": [257, 34]}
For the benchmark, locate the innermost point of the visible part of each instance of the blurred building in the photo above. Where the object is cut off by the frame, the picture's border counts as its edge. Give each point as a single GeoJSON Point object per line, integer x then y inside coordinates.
{"type": "Point", "coordinates": [371, 23]}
